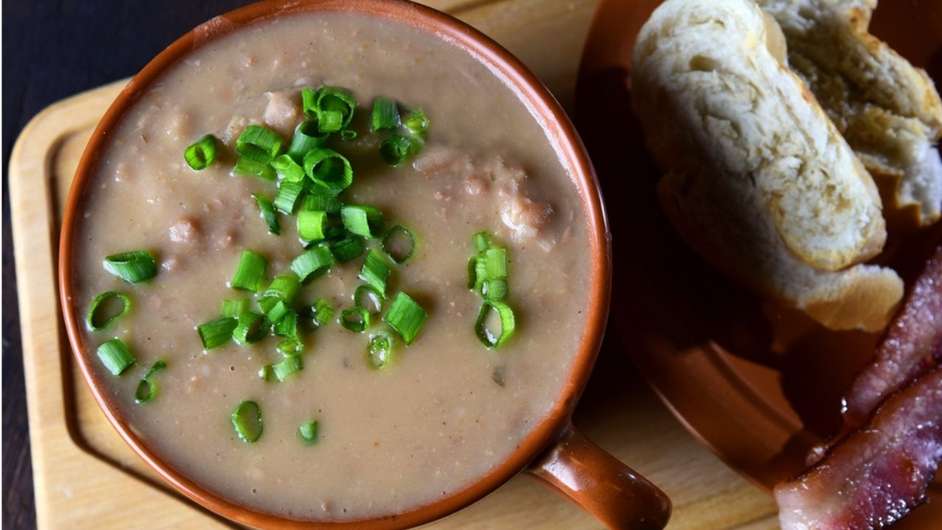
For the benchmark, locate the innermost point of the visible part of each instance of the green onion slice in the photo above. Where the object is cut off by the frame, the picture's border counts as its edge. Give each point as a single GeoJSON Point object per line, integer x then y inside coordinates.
{"type": "Point", "coordinates": [200, 154]}
{"type": "Point", "coordinates": [416, 122]}
{"type": "Point", "coordinates": [399, 243]}
{"type": "Point", "coordinates": [287, 197]}
{"type": "Point", "coordinates": [312, 225]}
{"type": "Point", "coordinates": [287, 169]}
{"type": "Point", "coordinates": [307, 432]}
{"type": "Point", "coordinates": [290, 346]}
{"type": "Point", "coordinates": [217, 332]}
{"type": "Point", "coordinates": [319, 200]}
{"type": "Point", "coordinates": [482, 241]}
{"type": "Point", "coordinates": [287, 325]}
{"type": "Point", "coordinates": [330, 171]}
{"type": "Point", "coordinates": [398, 148]}
{"type": "Point", "coordinates": [473, 273]}
{"type": "Point", "coordinates": [321, 312]}
{"type": "Point", "coordinates": [102, 305]}
{"type": "Point", "coordinates": [253, 168]}
{"type": "Point", "coordinates": [147, 388]}
{"type": "Point", "coordinates": [385, 114]}
{"type": "Point", "coordinates": [334, 107]}
{"type": "Point", "coordinates": [247, 421]}
{"type": "Point", "coordinates": [116, 356]}
{"type": "Point", "coordinates": [495, 263]}
{"type": "Point", "coordinates": [259, 143]}
{"type": "Point", "coordinates": [406, 317]}
{"type": "Point", "coordinates": [494, 290]}
{"type": "Point", "coordinates": [379, 351]}
{"type": "Point", "coordinates": [362, 220]}
{"type": "Point", "coordinates": [375, 271]}
{"type": "Point", "coordinates": [133, 266]}
{"type": "Point", "coordinates": [267, 211]}
{"type": "Point", "coordinates": [250, 328]}
{"type": "Point", "coordinates": [313, 262]}
{"type": "Point", "coordinates": [250, 271]}
{"type": "Point", "coordinates": [276, 312]}
{"type": "Point", "coordinates": [287, 366]}
{"type": "Point", "coordinates": [234, 308]}
{"type": "Point", "coordinates": [367, 297]}
{"type": "Point", "coordinates": [283, 287]}
{"type": "Point", "coordinates": [486, 323]}
{"type": "Point", "coordinates": [349, 248]}
{"type": "Point", "coordinates": [355, 319]}
{"type": "Point", "coordinates": [306, 137]}
{"type": "Point", "coordinates": [309, 102]}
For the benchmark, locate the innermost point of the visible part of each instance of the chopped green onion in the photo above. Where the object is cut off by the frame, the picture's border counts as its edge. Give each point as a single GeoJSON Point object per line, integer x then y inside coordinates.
{"type": "Point", "coordinates": [200, 154]}
{"type": "Point", "coordinates": [494, 290]}
{"type": "Point", "coordinates": [287, 169]}
{"type": "Point", "coordinates": [317, 200]}
{"type": "Point", "coordinates": [267, 210]}
{"type": "Point", "coordinates": [399, 243]}
{"type": "Point", "coordinates": [266, 303]}
{"type": "Point", "coordinates": [287, 366]}
{"type": "Point", "coordinates": [349, 248]}
{"type": "Point", "coordinates": [307, 431]}
{"type": "Point", "coordinates": [217, 332]}
{"type": "Point", "coordinates": [482, 241]}
{"type": "Point", "coordinates": [406, 317]}
{"type": "Point", "coordinates": [398, 148]}
{"type": "Point", "coordinates": [306, 137]}
{"type": "Point", "coordinates": [276, 312]}
{"type": "Point", "coordinates": [266, 373]}
{"type": "Point", "coordinates": [96, 319]}
{"type": "Point", "coordinates": [309, 102]}
{"type": "Point", "coordinates": [495, 263]}
{"type": "Point", "coordinates": [287, 325]}
{"type": "Point", "coordinates": [312, 225]}
{"type": "Point", "coordinates": [375, 271]}
{"type": "Point", "coordinates": [385, 114]}
{"type": "Point", "coordinates": [287, 196]}
{"type": "Point", "coordinates": [250, 272]}
{"type": "Point", "coordinates": [133, 266]}
{"type": "Point", "coordinates": [356, 319]}
{"type": "Point", "coordinates": [322, 312]}
{"type": "Point", "coordinates": [290, 346]}
{"type": "Point", "coordinates": [485, 322]}
{"type": "Point", "coordinates": [367, 297]}
{"type": "Point", "coordinates": [253, 168]}
{"type": "Point", "coordinates": [477, 271]}
{"type": "Point", "coordinates": [147, 388]}
{"type": "Point", "coordinates": [283, 287]}
{"type": "Point", "coordinates": [116, 356]}
{"type": "Point", "coordinates": [234, 308]}
{"type": "Point", "coordinates": [247, 421]}
{"type": "Point", "coordinates": [334, 108]}
{"type": "Point", "coordinates": [313, 261]}
{"type": "Point", "coordinates": [348, 135]}
{"type": "Point", "coordinates": [379, 351]}
{"type": "Point", "coordinates": [250, 328]}
{"type": "Point", "coordinates": [330, 171]}
{"type": "Point", "coordinates": [416, 122]}
{"type": "Point", "coordinates": [259, 143]}
{"type": "Point", "coordinates": [365, 221]}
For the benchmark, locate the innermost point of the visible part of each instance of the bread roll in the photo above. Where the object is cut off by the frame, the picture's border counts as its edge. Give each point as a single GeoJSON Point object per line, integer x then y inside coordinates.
{"type": "Point", "coordinates": [757, 178]}
{"type": "Point", "coordinates": [889, 111]}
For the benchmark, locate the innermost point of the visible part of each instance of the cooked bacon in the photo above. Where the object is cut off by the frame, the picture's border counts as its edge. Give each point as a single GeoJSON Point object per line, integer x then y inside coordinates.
{"type": "Point", "coordinates": [913, 345]}
{"type": "Point", "coordinates": [876, 475]}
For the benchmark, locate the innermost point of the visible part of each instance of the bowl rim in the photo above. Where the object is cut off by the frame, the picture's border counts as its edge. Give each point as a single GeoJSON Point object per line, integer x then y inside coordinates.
{"type": "Point", "coordinates": [565, 142]}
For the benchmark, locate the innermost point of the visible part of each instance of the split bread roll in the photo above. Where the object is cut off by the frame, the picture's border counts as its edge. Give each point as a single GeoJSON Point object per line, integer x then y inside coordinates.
{"type": "Point", "coordinates": [757, 178]}
{"type": "Point", "coordinates": [888, 111]}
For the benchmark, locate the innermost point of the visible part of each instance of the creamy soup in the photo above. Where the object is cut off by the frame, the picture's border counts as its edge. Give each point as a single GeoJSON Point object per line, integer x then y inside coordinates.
{"type": "Point", "coordinates": [445, 409]}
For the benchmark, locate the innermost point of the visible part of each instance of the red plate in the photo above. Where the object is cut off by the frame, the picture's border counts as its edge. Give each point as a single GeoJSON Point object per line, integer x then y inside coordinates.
{"type": "Point", "coordinates": [756, 385]}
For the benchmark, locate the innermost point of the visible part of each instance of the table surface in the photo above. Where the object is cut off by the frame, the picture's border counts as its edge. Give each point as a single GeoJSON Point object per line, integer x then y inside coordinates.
{"type": "Point", "coordinates": [60, 46]}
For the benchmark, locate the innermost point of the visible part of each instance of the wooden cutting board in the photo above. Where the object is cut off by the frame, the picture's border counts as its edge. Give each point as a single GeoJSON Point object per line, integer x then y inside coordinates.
{"type": "Point", "coordinates": [86, 477]}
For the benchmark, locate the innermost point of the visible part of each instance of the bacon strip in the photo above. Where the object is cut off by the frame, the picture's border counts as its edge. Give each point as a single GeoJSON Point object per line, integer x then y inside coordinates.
{"type": "Point", "coordinates": [913, 345]}
{"type": "Point", "coordinates": [878, 474]}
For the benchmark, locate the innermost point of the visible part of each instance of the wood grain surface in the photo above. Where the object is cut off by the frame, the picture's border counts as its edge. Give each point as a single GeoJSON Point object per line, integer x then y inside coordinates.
{"type": "Point", "coordinates": [85, 477]}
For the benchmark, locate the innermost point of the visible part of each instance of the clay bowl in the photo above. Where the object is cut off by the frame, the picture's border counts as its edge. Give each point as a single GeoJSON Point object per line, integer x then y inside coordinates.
{"type": "Point", "coordinates": [552, 451]}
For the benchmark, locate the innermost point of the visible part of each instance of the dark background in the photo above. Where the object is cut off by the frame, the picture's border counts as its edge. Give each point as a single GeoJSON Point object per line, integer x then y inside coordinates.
{"type": "Point", "coordinates": [52, 50]}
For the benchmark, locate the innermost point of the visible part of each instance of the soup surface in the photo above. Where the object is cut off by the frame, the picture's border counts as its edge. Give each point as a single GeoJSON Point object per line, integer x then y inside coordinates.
{"type": "Point", "coordinates": [447, 409]}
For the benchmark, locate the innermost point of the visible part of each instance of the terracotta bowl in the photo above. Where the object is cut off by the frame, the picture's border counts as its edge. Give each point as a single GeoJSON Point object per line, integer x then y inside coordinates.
{"type": "Point", "coordinates": [552, 451]}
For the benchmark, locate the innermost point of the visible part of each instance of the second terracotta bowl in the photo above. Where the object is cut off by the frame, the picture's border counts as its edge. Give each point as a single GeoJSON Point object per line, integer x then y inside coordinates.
{"type": "Point", "coordinates": [553, 450]}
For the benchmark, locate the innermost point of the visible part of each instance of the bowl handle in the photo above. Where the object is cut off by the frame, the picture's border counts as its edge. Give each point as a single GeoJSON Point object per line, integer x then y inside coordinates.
{"type": "Point", "coordinates": [601, 484]}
